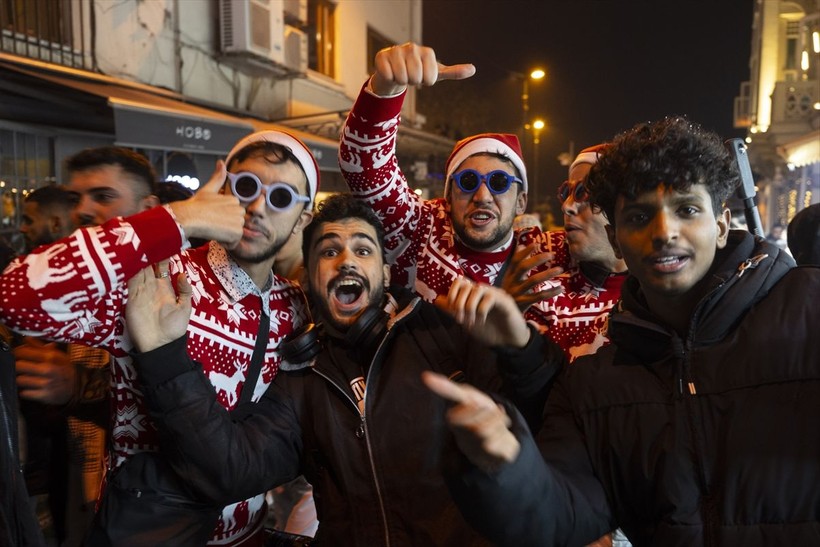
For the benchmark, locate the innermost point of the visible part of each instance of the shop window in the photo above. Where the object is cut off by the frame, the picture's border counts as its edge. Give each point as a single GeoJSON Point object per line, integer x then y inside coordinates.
{"type": "Point", "coordinates": [322, 36]}
{"type": "Point", "coordinates": [26, 163]}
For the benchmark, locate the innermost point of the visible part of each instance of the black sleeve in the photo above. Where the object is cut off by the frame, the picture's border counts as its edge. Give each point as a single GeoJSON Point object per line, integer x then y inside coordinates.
{"type": "Point", "coordinates": [223, 456]}
{"type": "Point", "coordinates": [528, 374]}
{"type": "Point", "coordinates": [532, 501]}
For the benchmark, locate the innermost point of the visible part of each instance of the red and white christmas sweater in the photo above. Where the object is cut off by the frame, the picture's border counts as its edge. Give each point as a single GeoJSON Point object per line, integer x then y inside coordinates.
{"type": "Point", "coordinates": [75, 291]}
{"type": "Point", "coordinates": [424, 252]}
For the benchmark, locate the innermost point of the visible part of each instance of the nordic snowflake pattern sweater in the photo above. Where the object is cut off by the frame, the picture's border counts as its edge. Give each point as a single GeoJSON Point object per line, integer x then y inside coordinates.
{"type": "Point", "coordinates": [74, 290]}
{"type": "Point", "coordinates": [424, 251]}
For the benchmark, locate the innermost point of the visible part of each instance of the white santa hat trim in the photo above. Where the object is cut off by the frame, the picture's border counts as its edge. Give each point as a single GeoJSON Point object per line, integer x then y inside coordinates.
{"type": "Point", "coordinates": [589, 155]}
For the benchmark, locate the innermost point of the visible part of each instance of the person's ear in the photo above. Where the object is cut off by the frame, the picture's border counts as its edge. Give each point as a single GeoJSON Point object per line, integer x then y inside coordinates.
{"type": "Point", "coordinates": [723, 221]}
{"type": "Point", "coordinates": [610, 234]}
{"type": "Point", "coordinates": [148, 202]}
{"type": "Point", "coordinates": [386, 271]}
{"type": "Point", "coordinates": [520, 203]}
{"type": "Point", "coordinates": [304, 219]}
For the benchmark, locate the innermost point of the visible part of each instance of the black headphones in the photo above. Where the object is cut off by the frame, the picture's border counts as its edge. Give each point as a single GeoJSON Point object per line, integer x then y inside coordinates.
{"type": "Point", "coordinates": [305, 343]}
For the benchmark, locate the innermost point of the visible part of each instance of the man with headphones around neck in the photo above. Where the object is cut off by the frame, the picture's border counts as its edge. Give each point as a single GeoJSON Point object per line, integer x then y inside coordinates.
{"type": "Point", "coordinates": [348, 410]}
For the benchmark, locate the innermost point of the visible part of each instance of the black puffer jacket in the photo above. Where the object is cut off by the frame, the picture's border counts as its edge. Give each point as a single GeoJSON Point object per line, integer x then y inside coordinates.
{"type": "Point", "coordinates": [709, 440]}
{"type": "Point", "coordinates": [376, 474]}
{"type": "Point", "coordinates": [18, 526]}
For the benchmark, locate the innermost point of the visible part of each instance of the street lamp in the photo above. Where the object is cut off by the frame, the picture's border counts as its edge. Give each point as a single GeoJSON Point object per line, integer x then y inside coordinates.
{"type": "Point", "coordinates": [537, 126]}
{"type": "Point", "coordinates": [535, 75]}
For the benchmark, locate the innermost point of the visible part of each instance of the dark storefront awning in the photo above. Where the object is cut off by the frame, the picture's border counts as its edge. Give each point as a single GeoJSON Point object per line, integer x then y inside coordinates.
{"type": "Point", "coordinates": [136, 115]}
{"type": "Point", "coordinates": [142, 117]}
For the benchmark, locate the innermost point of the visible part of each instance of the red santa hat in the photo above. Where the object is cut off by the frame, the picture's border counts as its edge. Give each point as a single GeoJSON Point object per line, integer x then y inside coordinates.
{"type": "Point", "coordinates": [302, 153]}
{"type": "Point", "coordinates": [589, 155]}
{"type": "Point", "coordinates": [505, 144]}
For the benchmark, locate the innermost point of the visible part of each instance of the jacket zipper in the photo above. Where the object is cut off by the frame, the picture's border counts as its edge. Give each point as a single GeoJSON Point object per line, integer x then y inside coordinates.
{"type": "Point", "coordinates": [708, 509]}
{"type": "Point", "coordinates": [363, 432]}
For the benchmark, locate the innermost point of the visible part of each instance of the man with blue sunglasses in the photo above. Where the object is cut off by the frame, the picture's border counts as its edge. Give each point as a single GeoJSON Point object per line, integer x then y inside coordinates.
{"type": "Point", "coordinates": [469, 232]}
{"type": "Point", "coordinates": [75, 291]}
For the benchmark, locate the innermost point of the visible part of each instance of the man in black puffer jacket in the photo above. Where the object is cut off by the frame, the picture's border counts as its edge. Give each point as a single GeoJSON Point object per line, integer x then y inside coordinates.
{"type": "Point", "coordinates": [700, 423]}
{"type": "Point", "coordinates": [355, 418]}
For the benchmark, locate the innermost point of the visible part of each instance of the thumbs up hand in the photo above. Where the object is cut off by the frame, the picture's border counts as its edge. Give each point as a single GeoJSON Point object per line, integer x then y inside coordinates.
{"type": "Point", "coordinates": [411, 64]}
{"type": "Point", "coordinates": [212, 214]}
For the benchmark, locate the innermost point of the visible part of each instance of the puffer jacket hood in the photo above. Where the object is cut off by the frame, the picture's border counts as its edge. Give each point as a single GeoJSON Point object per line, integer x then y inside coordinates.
{"type": "Point", "coordinates": [742, 274]}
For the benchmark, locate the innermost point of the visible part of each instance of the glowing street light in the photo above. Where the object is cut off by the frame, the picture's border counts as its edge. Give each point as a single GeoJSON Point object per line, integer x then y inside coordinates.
{"type": "Point", "coordinates": [535, 75]}
{"type": "Point", "coordinates": [538, 125]}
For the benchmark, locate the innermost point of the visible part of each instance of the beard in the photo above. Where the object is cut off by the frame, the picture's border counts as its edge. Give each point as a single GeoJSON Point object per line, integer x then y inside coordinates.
{"type": "Point", "coordinates": [487, 241]}
{"type": "Point", "coordinates": [375, 300]}
{"type": "Point", "coordinates": [265, 254]}
{"type": "Point", "coordinates": [261, 256]}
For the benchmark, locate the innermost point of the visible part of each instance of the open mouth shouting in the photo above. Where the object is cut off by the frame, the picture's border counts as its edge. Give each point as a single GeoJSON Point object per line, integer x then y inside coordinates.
{"type": "Point", "coordinates": [348, 294]}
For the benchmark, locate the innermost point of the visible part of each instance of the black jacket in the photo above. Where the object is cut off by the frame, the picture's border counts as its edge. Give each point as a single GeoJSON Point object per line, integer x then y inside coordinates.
{"type": "Point", "coordinates": [376, 474]}
{"type": "Point", "coordinates": [18, 526]}
{"type": "Point", "coordinates": [709, 440]}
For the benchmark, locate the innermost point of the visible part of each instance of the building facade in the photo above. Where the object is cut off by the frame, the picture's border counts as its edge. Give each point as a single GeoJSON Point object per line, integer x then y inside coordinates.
{"type": "Point", "coordinates": [182, 80]}
{"type": "Point", "coordinates": [780, 107]}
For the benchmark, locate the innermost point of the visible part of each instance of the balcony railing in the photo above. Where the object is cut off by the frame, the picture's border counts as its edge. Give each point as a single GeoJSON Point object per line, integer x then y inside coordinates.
{"type": "Point", "coordinates": [47, 30]}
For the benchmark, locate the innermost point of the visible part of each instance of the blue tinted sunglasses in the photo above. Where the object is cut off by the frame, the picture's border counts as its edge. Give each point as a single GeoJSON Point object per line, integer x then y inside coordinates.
{"type": "Point", "coordinates": [279, 196]}
{"type": "Point", "coordinates": [497, 182]}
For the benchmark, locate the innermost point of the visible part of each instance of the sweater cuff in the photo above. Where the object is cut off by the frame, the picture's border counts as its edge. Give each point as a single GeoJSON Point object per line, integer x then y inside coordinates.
{"type": "Point", "coordinates": [376, 109]}
{"type": "Point", "coordinates": [159, 234]}
{"type": "Point", "coordinates": [165, 362]}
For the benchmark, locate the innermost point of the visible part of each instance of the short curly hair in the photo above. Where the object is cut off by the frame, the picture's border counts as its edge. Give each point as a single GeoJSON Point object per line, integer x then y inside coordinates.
{"type": "Point", "coordinates": [340, 207]}
{"type": "Point", "coordinates": [673, 151]}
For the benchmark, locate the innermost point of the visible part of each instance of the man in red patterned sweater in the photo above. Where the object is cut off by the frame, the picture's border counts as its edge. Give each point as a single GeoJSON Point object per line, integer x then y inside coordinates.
{"type": "Point", "coordinates": [75, 289]}
{"type": "Point", "coordinates": [469, 232]}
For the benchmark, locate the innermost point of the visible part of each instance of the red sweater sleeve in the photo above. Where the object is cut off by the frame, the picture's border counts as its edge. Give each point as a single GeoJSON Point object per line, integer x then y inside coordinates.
{"type": "Point", "coordinates": [74, 289]}
{"type": "Point", "coordinates": [367, 157]}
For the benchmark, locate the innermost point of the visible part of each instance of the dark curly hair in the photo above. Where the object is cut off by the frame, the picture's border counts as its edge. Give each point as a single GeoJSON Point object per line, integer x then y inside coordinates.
{"type": "Point", "coordinates": [340, 207]}
{"type": "Point", "coordinates": [673, 151]}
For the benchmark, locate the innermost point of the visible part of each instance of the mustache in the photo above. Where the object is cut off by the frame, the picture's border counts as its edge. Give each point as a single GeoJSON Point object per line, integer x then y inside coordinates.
{"type": "Point", "coordinates": [254, 224]}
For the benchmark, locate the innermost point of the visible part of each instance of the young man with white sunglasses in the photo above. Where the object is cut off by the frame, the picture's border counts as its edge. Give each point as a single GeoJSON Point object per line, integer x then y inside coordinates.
{"type": "Point", "coordinates": [75, 290]}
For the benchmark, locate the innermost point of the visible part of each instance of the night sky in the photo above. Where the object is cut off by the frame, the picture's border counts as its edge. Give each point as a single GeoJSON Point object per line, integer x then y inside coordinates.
{"type": "Point", "coordinates": [610, 64]}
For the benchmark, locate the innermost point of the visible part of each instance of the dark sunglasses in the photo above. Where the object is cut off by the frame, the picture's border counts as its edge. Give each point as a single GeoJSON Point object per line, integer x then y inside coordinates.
{"type": "Point", "coordinates": [280, 197]}
{"type": "Point", "coordinates": [497, 182]}
{"type": "Point", "coordinates": [579, 191]}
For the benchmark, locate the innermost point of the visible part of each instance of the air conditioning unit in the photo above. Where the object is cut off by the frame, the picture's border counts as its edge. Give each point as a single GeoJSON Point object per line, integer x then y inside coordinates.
{"type": "Point", "coordinates": [296, 49]}
{"type": "Point", "coordinates": [296, 12]}
{"type": "Point", "coordinates": [253, 27]}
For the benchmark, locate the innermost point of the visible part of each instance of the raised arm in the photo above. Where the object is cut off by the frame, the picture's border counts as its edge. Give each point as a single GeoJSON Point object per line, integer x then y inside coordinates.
{"type": "Point", "coordinates": [74, 289]}
{"type": "Point", "coordinates": [367, 154]}
{"type": "Point", "coordinates": [223, 456]}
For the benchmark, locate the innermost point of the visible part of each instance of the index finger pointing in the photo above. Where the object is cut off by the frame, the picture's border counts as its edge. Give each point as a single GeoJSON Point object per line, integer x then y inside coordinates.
{"type": "Point", "coordinates": [443, 387]}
